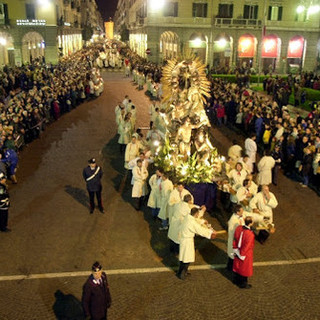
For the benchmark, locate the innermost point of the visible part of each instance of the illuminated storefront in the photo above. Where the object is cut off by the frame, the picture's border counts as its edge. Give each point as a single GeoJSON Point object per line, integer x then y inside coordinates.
{"type": "Point", "coordinates": [6, 49]}
{"type": "Point", "coordinates": [296, 52]}
{"type": "Point", "coordinates": [198, 45]}
{"type": "Point", "coordinates": [270, 53]}
{"type": "Point", "coordinates": [247, 49]}
{"type": "Point", "coordinates": [169, 45]}
{"type": "Point", "coordinates": [138, 43]}
{"type": "Point", "coordinates": [222, 52]}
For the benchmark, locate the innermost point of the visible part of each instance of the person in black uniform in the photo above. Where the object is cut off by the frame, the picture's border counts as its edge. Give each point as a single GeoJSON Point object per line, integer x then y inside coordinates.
{"type": "Point", "coordinates": [4, 203]}
{"type": "Point", "coordinates": [96, 298]}
{"type": "Point", "coordinates": [92, 174]}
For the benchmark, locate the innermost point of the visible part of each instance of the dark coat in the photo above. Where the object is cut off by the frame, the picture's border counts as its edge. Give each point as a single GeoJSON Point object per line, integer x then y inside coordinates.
{"type": "Point", "coordinates": [93, 178]}
{"type": "Point", "coordinates": [96, 298]}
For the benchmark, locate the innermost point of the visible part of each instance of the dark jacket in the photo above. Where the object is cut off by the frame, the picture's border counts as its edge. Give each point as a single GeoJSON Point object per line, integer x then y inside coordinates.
{"type": "Point", "coordinates": [93, 178]}
{"type": "Point", "coordinates": [4, 197]}
{"type": "Point", "coordinates": [96, 298]}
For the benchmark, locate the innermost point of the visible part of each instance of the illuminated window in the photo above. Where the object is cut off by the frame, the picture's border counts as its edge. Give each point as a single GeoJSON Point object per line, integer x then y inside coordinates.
{"type": "Point", "coordinates": [275, 13]}
{"type": "Point", "coordinates": [200, 10]}
{"type": "Point", "coordinates": [170, 9]}
{"type": "Point", "coordinates": [225, 11]}
{"type": "Point", "coordinates": [250, 12]}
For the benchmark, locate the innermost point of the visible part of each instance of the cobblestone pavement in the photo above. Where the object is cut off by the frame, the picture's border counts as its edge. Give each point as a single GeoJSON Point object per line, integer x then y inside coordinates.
{"type": "Point", "coordinates": [53, 233]}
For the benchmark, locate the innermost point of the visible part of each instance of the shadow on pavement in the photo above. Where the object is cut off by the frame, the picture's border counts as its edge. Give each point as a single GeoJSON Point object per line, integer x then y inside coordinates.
{"type": "Point", "coordinates": [78, 194]}
{"type": "Point", "coordinates": [159, 240]}
{"type": "Point", "coordinates": [67, 307]}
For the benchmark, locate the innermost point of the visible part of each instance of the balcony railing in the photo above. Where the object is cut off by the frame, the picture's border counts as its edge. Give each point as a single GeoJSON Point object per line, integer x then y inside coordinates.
{"type": "Point", "coordinates": [222, 22]}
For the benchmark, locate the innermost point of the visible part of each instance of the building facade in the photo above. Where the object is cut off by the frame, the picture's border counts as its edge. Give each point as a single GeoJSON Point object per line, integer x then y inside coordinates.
{"type": "Point", "coordinates": [47, 29]}
{"type": "Point", "coordinates": [277, 35]}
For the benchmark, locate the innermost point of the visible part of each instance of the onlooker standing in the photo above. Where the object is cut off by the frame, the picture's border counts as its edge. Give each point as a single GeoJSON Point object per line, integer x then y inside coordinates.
{"type": "Point", "coordinates": [4, 203]}
{"type": "Point", "coordinates": [243, 245]}
{"type": "Point", "coordinates": [96, 298]}
{"type": "Point", "coordinates": [306, 166]}
{"type": "Point", "coordinates": [92, 174]}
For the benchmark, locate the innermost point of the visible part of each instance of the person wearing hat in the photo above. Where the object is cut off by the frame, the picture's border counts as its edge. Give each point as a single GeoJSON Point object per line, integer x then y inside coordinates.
{"type": "Point", "coordinates": [96, 298]}
{"type": "Point", "coordinates": [4, 203]}
{"type": "Point", "coordinates": [92, 174]}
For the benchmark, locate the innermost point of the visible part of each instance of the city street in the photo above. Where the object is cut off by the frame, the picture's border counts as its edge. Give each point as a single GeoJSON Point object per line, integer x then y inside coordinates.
{"type": "Point", "coordinates": [54, 239]}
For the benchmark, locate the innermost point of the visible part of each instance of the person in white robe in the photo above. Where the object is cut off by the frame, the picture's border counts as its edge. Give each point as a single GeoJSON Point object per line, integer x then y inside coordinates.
{"type": "Point", "coordinates": [155, 196]}
{"type": "Point", "coordinates": [265, 166]}
{"type": "Point", "coordinates": [237, 219]}
{"type": "Point", "coordinates": [189, 228]}
{"type": "Point", "coordinates": [263, 203]}
{"type": "Point", "coordinates": [244, 195]}
{"type": "Point", "coordinates": [132, 152]}
{"type": "Point", "coordinates": [251, 148]}
{"type": "Point", "coordinates": [124, 130]}
{"type": "Point", "coordinates": [176, 196]}
{"type": "Point", "coordinates": [139, 189]}
{"type": "Point", "coordinates": [236, 177]}
{"type": "Point", "coordinates": [234, 151]}
{"type": "Point", "coordinates": [166, 187]}
{"type": "Point", "coordinates": [180, 210]}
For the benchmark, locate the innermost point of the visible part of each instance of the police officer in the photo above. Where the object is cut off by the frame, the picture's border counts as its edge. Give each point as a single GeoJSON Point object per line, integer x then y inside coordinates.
{"type": "Point", "coordinates": [96, 298]}
{"type": "Point", "coordinates": [92, 174]}
{"type": "Point", "coordinates": [4, 203]}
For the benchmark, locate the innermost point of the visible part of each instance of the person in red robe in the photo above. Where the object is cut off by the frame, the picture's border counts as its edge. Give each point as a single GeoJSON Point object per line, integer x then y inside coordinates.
{"type": "Point", "coordinates": [243, 244]}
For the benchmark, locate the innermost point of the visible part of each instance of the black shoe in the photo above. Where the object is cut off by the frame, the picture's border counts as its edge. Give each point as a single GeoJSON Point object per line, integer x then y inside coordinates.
{"type": "Point", "coordinates": [101, 210]}
{"type": "Point", "coordinates": [91, 211]}
{"type": "Point", "coordinates": [6, 230]}
{"type": "Point", "coordinates": [181, 276]}
{"type": "Point", "coordinates": [246, 286]}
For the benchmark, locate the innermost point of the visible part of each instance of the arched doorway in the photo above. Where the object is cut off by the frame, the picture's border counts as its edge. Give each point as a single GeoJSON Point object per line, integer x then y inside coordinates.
{"type": "Point", "coordinates": [296, 53]}
{"type": "Point", "coordinates": [222, 53]}
{"type": "Point", "coordinates": [198, 43]}
{"type": "Point", "coordinates": [6, 49]}
{"type": "Point", "coordinates": [33, 46]}
{"type": "Point", "coordinates": [270, 54]}
{"type": "Point", "coordinates": [247, 47]}
{"type": "Point", "coordinates": [169, 45]}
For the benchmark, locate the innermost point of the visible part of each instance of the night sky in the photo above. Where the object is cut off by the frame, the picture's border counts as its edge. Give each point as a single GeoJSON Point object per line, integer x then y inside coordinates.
{"type": "Point", "coordinates": [107, 8]}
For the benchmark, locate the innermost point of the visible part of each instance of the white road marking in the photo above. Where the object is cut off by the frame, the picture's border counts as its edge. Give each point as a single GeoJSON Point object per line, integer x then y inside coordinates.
{"type": "Point", "coordinates": [151, 270]}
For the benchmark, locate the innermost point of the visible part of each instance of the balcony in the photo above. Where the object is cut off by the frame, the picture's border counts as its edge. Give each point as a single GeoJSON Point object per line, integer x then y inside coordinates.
{"type": "Point", "coordinates": [188, 22]}
{"type": "Point", "coordinates": [237, 23]}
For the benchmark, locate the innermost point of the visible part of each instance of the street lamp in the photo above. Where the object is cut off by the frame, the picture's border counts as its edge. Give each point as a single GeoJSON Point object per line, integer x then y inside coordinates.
{"type": "Point", "coordinates": [3, 41]}
{"type": "Point", "coordinates": [44, 3]}
{"type": "Point", "coordinates": [156, 5]}
{"type": "Point", "coordinates": [197, 42]}
{"type": "Point", "coordinates": [300, 9]}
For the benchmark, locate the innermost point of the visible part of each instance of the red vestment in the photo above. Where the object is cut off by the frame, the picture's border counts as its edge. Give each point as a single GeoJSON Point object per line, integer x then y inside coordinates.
{"type": "Point", "coordinates": [243, 267]}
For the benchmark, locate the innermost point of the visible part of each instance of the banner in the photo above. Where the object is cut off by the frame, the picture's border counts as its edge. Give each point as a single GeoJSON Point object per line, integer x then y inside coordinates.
{"type": "Point", "coordinates": [246, 47]}
{"type": "Point", "coordinates": [295, 48]}
{"type": "Point", "coordinates": [270, 47]}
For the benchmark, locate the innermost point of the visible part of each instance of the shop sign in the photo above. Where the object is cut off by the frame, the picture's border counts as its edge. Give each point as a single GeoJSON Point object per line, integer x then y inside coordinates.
{"type": "Point", "coordinates": [32, 22]}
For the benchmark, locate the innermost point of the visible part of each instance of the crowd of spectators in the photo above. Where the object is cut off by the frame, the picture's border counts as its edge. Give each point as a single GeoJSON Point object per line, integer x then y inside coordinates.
{"type": "Point", "coordinates": [36, 94]}
{"type": "Point", "coordinates": [297, 137]}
